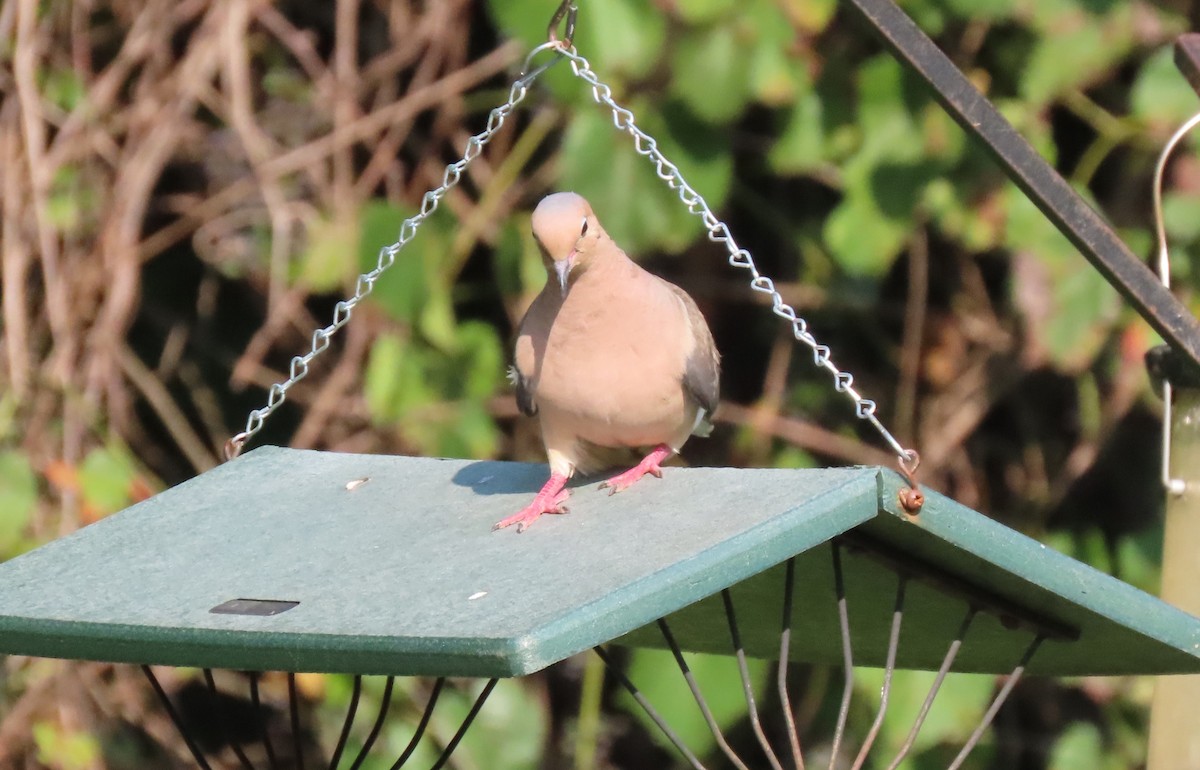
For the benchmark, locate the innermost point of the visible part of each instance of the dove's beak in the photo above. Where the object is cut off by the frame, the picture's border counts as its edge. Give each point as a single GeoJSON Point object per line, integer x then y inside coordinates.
{"type": "Point", "coordinates": [562, 268]}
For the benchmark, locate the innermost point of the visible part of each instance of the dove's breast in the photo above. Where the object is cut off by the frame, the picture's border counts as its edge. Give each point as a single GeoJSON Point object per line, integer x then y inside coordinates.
{"type": "Point", "coordinates": [610, 370]}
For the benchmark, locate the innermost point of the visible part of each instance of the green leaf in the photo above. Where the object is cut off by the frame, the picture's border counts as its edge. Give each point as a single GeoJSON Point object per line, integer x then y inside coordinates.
{"type": "Point", "coordinates": [508, 734]}
{"type": "Point", "coordinates": [18, 499]}
{"type": "Point", "coordinates": [637, 208]}
{"type": "Point", "coordinates": [62, 750]}
{"type": "Point", "coordinates": [328, 260]}
{"type": "Point", "coordinates": [395, 381]}
{"type": "Point", "coordinates": [517, 270]}
{"type": "Point", "coordinates": [810, 16]}
{"type": "Point", "coordinates": [982, 10]}
{"type": "Point", "coordinates": [622, 38]}
{"type": "Point", "coordinates": [400, 290]}
{"type": "Point", "coordinates": [479, 365]}
{"type": "Point", "coordinates": [473, 433]}
{"type": "Point", "coordinates": [437, 321]}
{"type": "Point", "coordinates": [1081, 747]}
{"type": "Point", "coordinates": [1068, 305]}
{"type": "Point", "coordinates": [416, 288]}
{"type": "Point", "coordinates": [1091, 48]}
{"type": "Point", "coordinates": [64, 88]}
{"type": "Point", "coordinates": [710, 74]}
{"type": "Point", "coordinates": [778, 73]}
{"type": "Point", "coordinates": [1160, 95]}
{"type": "Point", "coordinates": [659, 679]}
{"type": "Point", "coordinates": [801, 146]}
{"type": "Point", "coordinates": [862, 238]}
{"type": "Point", "coordinates": [959, 705]}
{"type": "Point", "coordinates": [71, 201]}
{"type": "Point", "coordinates": [1179, 216]}
{"type": "Point", "coordinates": [704, 11]}
{"type": "Point", "coordinates": [106, 477]}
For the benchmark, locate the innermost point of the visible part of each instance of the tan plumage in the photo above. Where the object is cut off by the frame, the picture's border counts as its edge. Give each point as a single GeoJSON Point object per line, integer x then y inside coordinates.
{"type": "Point", "coordinates": [609, 357]}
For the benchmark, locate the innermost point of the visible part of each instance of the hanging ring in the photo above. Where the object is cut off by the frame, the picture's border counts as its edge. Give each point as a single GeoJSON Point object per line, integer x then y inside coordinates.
{"type": "Point", "coordinates": [1174, 486]}
{"type": "Point", "coordinates": [529, 72]}
{"type": "Point", "coordinates": [569, 9]}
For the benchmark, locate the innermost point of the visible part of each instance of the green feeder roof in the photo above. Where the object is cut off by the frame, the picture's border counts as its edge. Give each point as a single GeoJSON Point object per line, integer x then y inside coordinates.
{"type": "Point", "coordinates": [310, 561]}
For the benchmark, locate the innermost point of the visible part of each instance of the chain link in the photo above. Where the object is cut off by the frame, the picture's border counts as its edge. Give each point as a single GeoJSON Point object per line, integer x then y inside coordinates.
{"type": "Point", "coordinates": [344, 309]}
{"type": "Point", "coordinates": [645, 145]}
{"type": "Point", "coordinates": [718, 232]}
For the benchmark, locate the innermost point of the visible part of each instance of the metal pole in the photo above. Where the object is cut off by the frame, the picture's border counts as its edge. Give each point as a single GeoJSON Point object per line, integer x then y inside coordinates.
{"type": "Point", "coordinates": [1174, 717]}
{"type": "Point", "coordinates": [1078, 221]}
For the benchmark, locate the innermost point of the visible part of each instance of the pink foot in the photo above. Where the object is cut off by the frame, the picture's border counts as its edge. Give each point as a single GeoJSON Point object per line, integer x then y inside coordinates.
{"type": "Point", "coordinates": [650, 464]}
{"type": "Point", "coordinates": [549, 500]}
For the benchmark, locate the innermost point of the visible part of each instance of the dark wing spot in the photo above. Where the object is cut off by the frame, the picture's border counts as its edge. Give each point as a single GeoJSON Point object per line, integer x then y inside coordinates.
{"type": "Point", "coordinates": [702, 379]}
{"type": "Point", "coordinates": [524, 394]}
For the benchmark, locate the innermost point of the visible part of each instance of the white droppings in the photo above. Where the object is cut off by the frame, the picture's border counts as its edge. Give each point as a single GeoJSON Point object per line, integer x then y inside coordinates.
{"type": "Point", "coordinates": [356, 483]}
{"type": "Point", "coordinates": [477, 595]}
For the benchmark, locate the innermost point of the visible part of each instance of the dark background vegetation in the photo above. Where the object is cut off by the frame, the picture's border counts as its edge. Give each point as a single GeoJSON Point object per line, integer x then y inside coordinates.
{"type": "Point", "coordinates": [188, 186]}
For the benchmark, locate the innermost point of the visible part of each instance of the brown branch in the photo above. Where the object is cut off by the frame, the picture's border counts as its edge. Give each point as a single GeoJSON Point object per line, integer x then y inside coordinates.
{"type": "Point", "coordinates": [176, 422]}
{"type": "Point", "coordinates": [808, 436]}
{"type": "Point", "coordinates": [911, 347]}
{"type": "Point", "coordinates": [319, 149]}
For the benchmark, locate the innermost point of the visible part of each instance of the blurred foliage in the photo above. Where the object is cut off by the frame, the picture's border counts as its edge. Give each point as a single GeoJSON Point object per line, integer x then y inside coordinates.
{"type": "Point", "coordinates": [282, 154]}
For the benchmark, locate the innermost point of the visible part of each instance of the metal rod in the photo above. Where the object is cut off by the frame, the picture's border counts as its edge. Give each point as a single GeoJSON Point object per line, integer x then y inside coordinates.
{"type": "Point", "coordinates": [222, 719]}
{"type": "Point", "coordinates": [453, 744]}
{"type": "Point", "coordinates": [1187, 57]}
{"type": "Point", "coordinates": [294, 708]}
{"type": "Point", "coordinates": [351, 710]}
{"type": "Point", "coordinates": [889, 669]}
{"type": "Point", "coordinates": [425, 717]}
{"type": "Point", "coordinates": [650, 712]}
{"type": "Point", "coordinates": [839, 584]}
{"type": "Point", "coordinates": [1001, 696]}
{"type": "Point", "coordinates": [785, 648]}
{"type": "Point", "coordinates": [1036, 178]}
{"type": "Point", "coordinates": [383, 710]}
{"type": "Point", "coordinates": [266, 736]}
{"type": "Point", "coordinates": [197, 754]}
{"type": "Point", "coordinates": [1013, 615]}
{"type": "Point", "coordinates": [747, 688]}
{"type": "Point", "coordinates": [947, 662]}
{"type": "Point", "coordinates": [726, 749]}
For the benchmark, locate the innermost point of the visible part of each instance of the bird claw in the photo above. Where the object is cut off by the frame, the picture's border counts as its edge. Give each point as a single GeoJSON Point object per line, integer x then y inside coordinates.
{"type": "Point", "coordinates": [529, 514]}
{"type": "Point", "coordinates": [623, 481]}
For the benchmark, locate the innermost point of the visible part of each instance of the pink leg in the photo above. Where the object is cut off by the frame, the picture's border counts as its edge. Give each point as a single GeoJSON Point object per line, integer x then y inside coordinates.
{"type": "Point", "coordinates": [549, 500]}
{"type": "Point", "coordinates": [650, 464]}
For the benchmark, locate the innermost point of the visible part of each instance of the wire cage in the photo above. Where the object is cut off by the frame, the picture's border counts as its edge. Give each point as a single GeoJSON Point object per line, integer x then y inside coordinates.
{"type": "Point", "coordinates": [302, 561]}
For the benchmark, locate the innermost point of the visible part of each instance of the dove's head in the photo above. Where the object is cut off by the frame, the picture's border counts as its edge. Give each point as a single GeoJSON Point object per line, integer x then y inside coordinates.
{"type": "Point", "coordinates": [567, 232]}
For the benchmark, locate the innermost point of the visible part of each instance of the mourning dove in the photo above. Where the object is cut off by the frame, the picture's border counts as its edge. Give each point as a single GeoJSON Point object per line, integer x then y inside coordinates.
{"type": "Point", "coordinates": [608, 357]}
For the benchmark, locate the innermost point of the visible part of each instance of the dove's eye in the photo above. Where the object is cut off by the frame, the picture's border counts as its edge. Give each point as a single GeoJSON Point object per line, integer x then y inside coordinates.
{"type": "Point", "coordinates": [583, 230]}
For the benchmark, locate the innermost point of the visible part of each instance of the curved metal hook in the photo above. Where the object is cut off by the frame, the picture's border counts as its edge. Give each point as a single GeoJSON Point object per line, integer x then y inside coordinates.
{"type": "Point", "coordinates": [569, 9]}
{"type": "Point", "coordinates": [1173, 485]}
{"type": "Point", "coordinates": [529, 73]}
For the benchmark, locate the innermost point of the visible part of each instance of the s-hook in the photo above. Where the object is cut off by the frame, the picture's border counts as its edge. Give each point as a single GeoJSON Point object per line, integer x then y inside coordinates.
{"type": "Point", "coordinates": [569, 9]}
{"type": "Point", "coordinates": [1174, 486]}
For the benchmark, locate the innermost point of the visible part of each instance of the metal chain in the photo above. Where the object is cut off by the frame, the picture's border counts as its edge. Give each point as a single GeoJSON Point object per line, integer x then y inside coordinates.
{"type": "Point", "coordinates": [645, 145]}
{"type": "Point", "coordinates": [387, 256]}
{"type": "Point", "coordinates": [718, 232]}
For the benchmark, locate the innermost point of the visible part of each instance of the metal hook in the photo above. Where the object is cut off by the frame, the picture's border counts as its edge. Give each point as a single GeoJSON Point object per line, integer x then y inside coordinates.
{"type": "Point", "coordinates": [911, 498]}
{"type": "Point", "coordinates": [1173, 485]}
{"type": "Point", "coordinates": [569, 9]}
